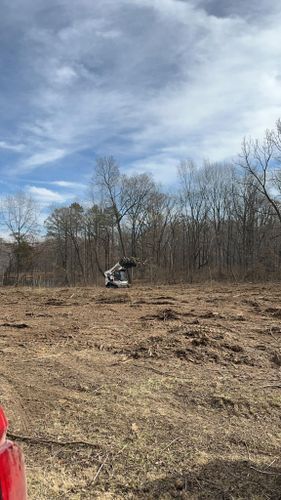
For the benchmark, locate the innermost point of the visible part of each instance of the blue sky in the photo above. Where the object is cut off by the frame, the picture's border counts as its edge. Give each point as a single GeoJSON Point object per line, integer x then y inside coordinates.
{"type": "Point", "coordinates": [150, 82]}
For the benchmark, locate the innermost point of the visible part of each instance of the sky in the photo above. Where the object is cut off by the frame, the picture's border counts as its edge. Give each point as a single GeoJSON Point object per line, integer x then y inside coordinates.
{"type": "Point", "coordinates": [151, 82]}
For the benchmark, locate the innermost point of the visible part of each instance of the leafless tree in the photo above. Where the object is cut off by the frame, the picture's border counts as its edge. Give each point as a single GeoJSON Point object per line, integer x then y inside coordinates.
{"type": "Point", "coordinates": [193, 202]}
{"type": "Point", "coordinates": [261, 160]}
{"type": "Point", "coordinates": [139, 191]}
{"type": "Point", "coordinates": [19, 214]}
{"type": "Point", "coordinates": [108, 178]}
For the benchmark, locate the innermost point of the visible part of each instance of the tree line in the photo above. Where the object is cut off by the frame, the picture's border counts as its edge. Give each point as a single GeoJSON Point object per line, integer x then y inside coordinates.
{"type": "Point", "coordinates": [222, 222]}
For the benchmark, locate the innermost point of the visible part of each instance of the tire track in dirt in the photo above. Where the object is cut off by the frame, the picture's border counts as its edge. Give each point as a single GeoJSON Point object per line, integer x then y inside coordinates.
{"type": "Point", "coordinates": [11, 400]}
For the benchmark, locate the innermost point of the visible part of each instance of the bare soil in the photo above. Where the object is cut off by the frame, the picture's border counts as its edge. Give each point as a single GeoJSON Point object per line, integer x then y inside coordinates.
{"type": "Point", "coordinates": [150, 393]}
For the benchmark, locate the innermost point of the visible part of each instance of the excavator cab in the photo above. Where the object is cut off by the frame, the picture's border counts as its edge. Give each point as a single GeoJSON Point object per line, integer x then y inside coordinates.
{"type": "Point", "coordinates": [117, 279]}
{"type": "Point", "coordinates": [121, 275]}
{"type": "Point", "coordinates": [117, 276]}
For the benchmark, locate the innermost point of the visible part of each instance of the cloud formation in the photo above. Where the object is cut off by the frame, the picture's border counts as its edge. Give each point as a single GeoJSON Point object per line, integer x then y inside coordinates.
{"type": "Point", "coordinates": [150, 81]}
{"type": "Point", "coordinates": [46, 197]}
{"type": "Point", "coordinates": [11, 147]}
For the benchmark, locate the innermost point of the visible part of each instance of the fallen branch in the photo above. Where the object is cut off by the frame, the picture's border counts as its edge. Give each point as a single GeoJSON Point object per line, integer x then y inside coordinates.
{"type": "Point", "coordinates": [265, 471]}
{"type": "Point", "coordinates": [15, 325]}
{"type": "Point", "coordinates": [159, 372]}
{"type": "Point", "coordinates": [38, 440]}
{"type": "Point", "coordinates": [272, 386]}
{"type": "Point", "coordinates": [273, 336]}
{"type": "Point", "coordinates": [271, 463]}
{"type": "Point", "coordinates": [276, 340]}
{"type": "Point", "coordinates": [99, 470]}
{"type": "Point", "coordinates": [248, 451]}
{"type": "Point", "coordinates": [170, 444]}
{"type": "Point", "coordinates": [104, 463]}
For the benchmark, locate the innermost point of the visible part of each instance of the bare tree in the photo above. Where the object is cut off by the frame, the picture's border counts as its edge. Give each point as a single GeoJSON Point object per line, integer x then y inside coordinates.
{"type": "Point", "coordinates": [100, 238]}
{"type": "Point", "coordinates": [138, 190]}
{"type": "Point", "coordinates": [125, 195]}
{"type": "Point", "coordinates": [108, 178]}
{"type": "Point", "coordinates": [217, 179]}
{"type": "Point", "coordinates": [194, 207]}
{"type": "Point", "coordinates": [261, 160]}
{"type": "Point", "coordinates": [19, 214]}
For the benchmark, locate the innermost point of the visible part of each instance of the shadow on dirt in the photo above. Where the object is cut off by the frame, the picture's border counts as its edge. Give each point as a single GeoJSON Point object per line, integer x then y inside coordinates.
{"type": "Point", "coordinates": [225, 480]}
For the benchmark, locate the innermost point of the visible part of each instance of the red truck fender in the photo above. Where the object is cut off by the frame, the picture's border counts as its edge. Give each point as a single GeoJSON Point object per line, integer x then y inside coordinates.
{"type": "Point", "coordinates": [12, 470]}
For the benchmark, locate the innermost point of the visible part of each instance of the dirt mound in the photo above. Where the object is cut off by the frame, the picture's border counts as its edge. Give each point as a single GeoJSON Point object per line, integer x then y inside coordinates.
{"type": "Point", "coordinates": [253, 304]}
{"type": "Point", "coordinates": [113, 299]}
{"type": "Point", "coordinates": [163, 300]}
{"type": "Point", "coordinates": [221, 479]}
{"type": "Point", "coordinates": [53, 301]}
{"type": "Point", "coordinates": [202, 344]}
{"type": "Point", "coordinates": [164, 315]}
{"type": "Point", "coordinates": [197, 345]}
{"type": "Point", "coordinates": [276, 358]}
{"type": "Point", "coordinates": [273, 311]}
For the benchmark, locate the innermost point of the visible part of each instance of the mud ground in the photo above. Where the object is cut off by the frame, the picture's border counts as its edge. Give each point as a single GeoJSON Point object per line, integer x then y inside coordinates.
{"type": "Point", "coordinates": [150, 393]}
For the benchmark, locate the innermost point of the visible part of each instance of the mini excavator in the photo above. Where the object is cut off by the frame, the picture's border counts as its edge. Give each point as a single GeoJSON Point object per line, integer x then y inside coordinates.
{"type": "Point", "coordinates": [117, 276]}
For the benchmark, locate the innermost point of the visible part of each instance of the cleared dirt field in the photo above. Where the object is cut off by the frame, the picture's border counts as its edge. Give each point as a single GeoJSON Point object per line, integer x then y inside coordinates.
{"type": "Point", "coordinates": [164, 392]}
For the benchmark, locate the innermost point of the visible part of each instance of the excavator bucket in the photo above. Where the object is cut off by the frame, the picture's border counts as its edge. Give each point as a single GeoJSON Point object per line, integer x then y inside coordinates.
{"type": "Point", "coordinates": [128, 262]}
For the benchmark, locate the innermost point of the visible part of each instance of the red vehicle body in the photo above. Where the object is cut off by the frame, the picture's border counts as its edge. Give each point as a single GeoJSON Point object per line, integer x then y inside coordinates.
{"type": "Point", "coordinates": [12, 470]}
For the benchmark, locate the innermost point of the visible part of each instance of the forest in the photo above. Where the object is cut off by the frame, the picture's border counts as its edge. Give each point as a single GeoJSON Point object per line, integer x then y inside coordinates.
{"type": "Point", "coordinates": [221, 222]}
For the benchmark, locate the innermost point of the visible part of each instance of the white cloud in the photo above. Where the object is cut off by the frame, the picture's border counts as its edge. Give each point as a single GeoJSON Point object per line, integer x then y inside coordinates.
{"type": "Point", "coordinates": [163, 168]}
{"type": "Point", "coordinates": [65, 75]}
{"type": "Point", "coordinates": [46, 196]}
{"type": "Point", "coordinates": [42, 158]}
{"type": "Point", "coordinates": [17, 148]}
{"type": "Point", "coordinates": [68, 184]}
